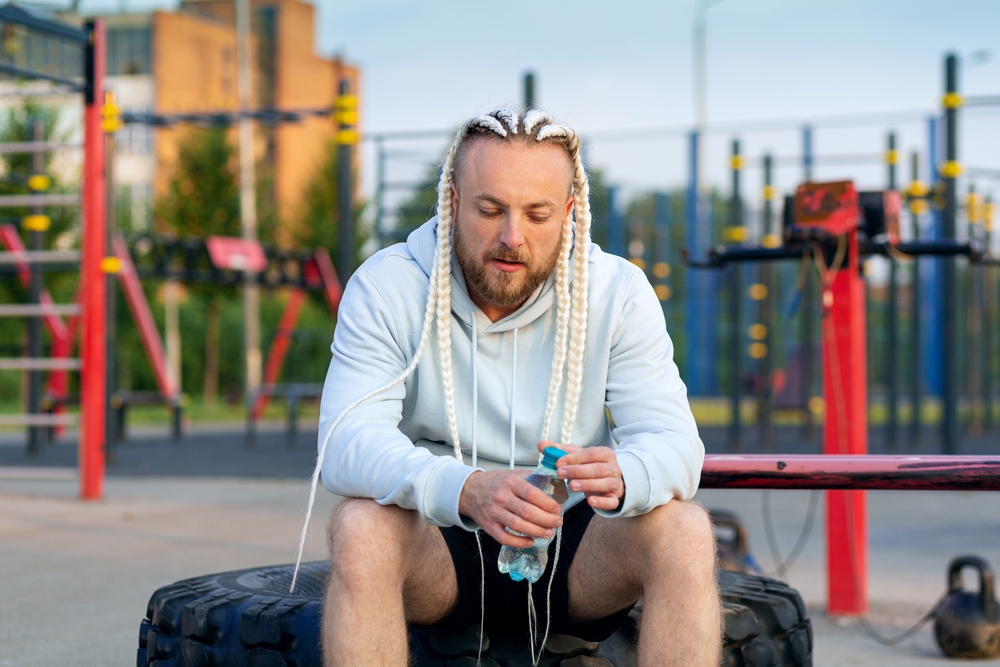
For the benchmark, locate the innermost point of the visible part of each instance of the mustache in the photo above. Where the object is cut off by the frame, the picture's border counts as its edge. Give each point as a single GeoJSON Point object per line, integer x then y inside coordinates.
{"type": "Point", "coordinates": [506, 254]}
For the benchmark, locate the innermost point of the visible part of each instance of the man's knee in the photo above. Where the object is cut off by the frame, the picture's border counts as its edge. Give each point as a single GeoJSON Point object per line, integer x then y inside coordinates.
{"type": "Point", "coordinates": [363, 535]}
{"type": "Point", "coordinates": [681, 529]}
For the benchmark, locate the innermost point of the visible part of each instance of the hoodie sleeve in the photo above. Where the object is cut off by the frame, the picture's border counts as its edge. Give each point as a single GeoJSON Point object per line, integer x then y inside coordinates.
{"type": "Point", "coordinates": [659, 451]}
{"type": "Point", "coordinates": [367, 455]}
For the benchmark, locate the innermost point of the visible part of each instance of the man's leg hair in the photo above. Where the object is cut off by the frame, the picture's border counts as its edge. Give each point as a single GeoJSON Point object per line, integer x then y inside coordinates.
{"type": "Point", "coordinates": [388, 568]}
{"type": "Point", "coordinates": [667, 557]}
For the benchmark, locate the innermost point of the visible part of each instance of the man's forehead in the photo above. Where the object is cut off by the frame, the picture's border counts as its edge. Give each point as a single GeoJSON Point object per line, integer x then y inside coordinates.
{"type": "Point", "coordinates": [487, 160]}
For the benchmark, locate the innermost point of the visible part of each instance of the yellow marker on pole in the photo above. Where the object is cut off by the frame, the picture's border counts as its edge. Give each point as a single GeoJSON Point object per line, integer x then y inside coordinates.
{"type": "Point", "coordinates": [35, 223]}
{"type": "Point", "coordinates": [39, 183]}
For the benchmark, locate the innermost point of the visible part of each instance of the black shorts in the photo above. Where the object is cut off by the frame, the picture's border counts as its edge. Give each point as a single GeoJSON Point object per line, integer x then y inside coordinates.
{"type": "Point", "coordinates": [506, 599]}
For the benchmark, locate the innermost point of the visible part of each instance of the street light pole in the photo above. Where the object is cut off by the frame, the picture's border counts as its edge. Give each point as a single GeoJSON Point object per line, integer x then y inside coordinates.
{"type": "Point", "coordinates": [700, 69]}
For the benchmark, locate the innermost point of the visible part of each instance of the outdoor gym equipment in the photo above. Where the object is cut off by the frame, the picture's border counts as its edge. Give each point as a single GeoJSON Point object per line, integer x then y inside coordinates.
{"type": "Point", "coordinates": [835, 225]}
{"type": "Point", "coordinates": [967, 625]}
{"type": "Point", "coordinates": [85, 46]}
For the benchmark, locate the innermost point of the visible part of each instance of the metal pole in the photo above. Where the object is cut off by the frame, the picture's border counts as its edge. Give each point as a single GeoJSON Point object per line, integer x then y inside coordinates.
{"type": "Point", "coordinates": [737, 233]}
{"type": "Point", "coordinates": [616, 228]}
{"type": "Point", "coordinates": [808, 345]}
{"type": "Point", "coordinates": [36, 241]}
{"type": "Point", "coordinates": [692, 295]}
{"type": "Point", "coordinates": [380, 191]}
{"type": "Point", "coordinates": [916, 207]}
{"type": "Point", "coordinates": [975, 321]}
{"type": "Point", "coordinates": [346, 138]}
{"type": "Point", "coordinates": [92, 291]}
{"type": "Point", "coordinates": [248, 203]}
{"type": "Point", "coordinates": [989, 308]}
{"type": "Point", "coordinates": [893, 314]}
{"type": "Point", "coordinates": [766, 319]}
{"type": "Point", "coordinates": [529, 91]}
{"type": "Point", "coordinates": [110, 278]}
{"type": "Point", "coordinates": [950, 170]}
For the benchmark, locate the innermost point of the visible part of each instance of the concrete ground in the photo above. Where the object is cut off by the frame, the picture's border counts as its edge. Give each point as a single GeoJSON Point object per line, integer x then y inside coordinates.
{"type": "Point", "coordinates": [75, 577]}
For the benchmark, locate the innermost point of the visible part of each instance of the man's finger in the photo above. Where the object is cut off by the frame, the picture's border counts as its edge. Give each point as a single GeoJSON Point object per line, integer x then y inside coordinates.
{"type": "Point", "coordinates": [589, 471]}
{"type": "Point", "coordinates": [536, 497]}
{"type": "Point", "coordinates": [569, 449]}
{"type": "Point", "coordinates": [588, 455]}
{"type": "Point", "coordinates": [609, 485]}
{"type": "Point", "coordinates": [500, 534]}
{"type": "Point", "coordinates": [533, 514]}
{"type": "Point", "coordinates": [609, 503]}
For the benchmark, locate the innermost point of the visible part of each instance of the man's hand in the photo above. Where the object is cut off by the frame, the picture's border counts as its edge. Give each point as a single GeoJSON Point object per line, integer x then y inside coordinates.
{"type": "Point", "coordinates": [499, 499]}
{"type": "Point", "coordinates": [592, 470]}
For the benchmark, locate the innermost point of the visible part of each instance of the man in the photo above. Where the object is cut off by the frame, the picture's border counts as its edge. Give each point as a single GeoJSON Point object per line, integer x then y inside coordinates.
{"type": "Point", "coordinates": [456, 344]}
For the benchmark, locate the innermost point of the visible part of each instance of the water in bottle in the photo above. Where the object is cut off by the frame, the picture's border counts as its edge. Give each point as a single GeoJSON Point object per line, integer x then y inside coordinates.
{"type": "Point", "coordinates": [530, 563]}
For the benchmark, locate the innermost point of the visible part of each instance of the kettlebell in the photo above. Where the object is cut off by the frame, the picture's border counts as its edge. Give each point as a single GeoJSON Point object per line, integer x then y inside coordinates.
{"type": "Point", "coordinates": [733, 550]}
{"type": "Point", "coordinates": [967, 625]}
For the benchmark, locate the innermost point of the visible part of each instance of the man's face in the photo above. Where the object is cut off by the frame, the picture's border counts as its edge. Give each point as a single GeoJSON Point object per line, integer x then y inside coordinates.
{"type": "Point", "coordinates": [510, 200]}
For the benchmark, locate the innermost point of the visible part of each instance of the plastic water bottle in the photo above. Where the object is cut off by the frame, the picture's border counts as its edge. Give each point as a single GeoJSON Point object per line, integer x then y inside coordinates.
{"type": "Point", "coordinates": [530, 563]}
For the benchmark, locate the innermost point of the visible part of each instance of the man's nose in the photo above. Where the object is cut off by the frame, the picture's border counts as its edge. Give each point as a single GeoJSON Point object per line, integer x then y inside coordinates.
{"type": "Point", "coordinates": [512, 234]}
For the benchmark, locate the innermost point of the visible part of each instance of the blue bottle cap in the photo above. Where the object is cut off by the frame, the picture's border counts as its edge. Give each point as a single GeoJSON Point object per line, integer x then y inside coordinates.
{"type": "Point", "coordinates": [550, 456]}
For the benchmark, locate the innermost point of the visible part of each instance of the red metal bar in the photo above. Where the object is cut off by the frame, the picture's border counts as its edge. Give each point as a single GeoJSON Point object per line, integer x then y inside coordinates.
{"type": "Point", "coordinates": [845, 389]}
{"type": "Point", "coordinates": [279, 348]}
{"type": "Point", "coordinates": [331, 283]}
{"type": "Point", "coordinates": [92, 291]}
{"type": "Point", "coordinates": [149, 335]}
{"type": "Point", "coordinates": [819, 471]}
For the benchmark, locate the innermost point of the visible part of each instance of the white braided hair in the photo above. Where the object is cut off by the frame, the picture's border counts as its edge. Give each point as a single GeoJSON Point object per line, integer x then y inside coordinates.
{"type": "Point", "coordinates": [571, 306]}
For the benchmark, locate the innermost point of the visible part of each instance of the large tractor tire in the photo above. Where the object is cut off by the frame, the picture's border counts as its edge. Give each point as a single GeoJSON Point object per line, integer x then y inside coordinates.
{"type": "Point", "coordinates": [248, 619]}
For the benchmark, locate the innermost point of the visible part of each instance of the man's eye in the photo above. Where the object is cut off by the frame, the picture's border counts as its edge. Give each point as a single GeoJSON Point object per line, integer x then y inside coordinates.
{"type": "Point", "coordinates": [489, 213]}
{"type": "Point", "coordinates": [538, 218]}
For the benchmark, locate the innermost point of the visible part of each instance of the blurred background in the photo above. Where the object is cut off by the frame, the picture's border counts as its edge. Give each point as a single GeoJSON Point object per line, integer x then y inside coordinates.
{"type": "Point", "coordinates": [662, 94]}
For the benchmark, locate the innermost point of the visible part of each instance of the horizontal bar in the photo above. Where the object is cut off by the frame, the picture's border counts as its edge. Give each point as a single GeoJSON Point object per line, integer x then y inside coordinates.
{"type": "Point", "coordinates": [40, 257]}
{"type": "Point", "coordinates": [33, 74]}
{"type": "Point", "coordinates": [39, 364]}
{"type": "Point", "coordinates": [816, 471]}
{"type": "Point", "coordinates": [982, 101]}
{"type": "Point", "coordinates": [72, 199]}
{"type": "Point", "coordinates": [14, 14]}
{"type": "Point", "coordinates": [38, 310]}
{"type": "Point", "coordinates": [43, 419]}
{"type": "Point", "coordinates": [35, 146]}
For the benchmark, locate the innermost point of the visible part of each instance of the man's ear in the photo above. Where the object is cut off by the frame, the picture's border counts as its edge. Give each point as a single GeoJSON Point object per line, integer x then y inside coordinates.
{"type": "Point", "coordinates": [454, 200]}
{"type": "Point", "coordinates": [569, 207]}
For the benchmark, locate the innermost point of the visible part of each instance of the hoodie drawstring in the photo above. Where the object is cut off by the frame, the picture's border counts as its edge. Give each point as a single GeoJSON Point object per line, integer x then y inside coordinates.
{"type": "Point", "coordinates": [513, 395]}
{"type": "Point", "coordinates": [475, 384]}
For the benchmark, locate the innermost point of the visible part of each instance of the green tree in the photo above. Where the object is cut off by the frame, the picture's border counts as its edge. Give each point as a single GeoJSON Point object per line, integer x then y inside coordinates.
{"type": "Point", "coordinates": [203, 199]}
{"type": "Point", "coordinates": [319, 212]}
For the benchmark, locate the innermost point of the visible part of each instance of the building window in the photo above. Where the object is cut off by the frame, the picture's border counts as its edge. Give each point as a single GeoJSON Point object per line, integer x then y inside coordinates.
{"type": "Point", "coordinates": [129, 50]}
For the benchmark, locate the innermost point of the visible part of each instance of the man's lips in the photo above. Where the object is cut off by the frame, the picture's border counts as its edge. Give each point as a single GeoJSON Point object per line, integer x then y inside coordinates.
{"type": "Point", "coordinates": [507, 266]}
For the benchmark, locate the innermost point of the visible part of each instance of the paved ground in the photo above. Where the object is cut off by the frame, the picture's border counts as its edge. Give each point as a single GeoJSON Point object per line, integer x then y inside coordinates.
{"type": "Point", "coordinates": [75, 577]}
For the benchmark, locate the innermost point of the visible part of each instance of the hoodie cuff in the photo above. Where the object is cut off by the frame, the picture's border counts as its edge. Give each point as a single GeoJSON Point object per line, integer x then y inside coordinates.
{"type": "Point", "coordinates": [637, 487]}
{"type": "Point", "coordinates": [444, 490]}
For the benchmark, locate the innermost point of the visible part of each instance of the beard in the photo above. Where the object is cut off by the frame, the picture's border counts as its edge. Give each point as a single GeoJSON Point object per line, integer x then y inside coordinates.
{"type": "Point", "coordinates": [499, 287]}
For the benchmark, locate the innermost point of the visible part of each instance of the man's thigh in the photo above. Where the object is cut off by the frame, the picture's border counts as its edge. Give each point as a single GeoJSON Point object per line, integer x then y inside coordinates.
{"type": "Point", "coordinates": [605, 575]}
{"type": "Point", "coordinates": [618, 557]}
{"type": "Point", "coordinates": [389, 546]}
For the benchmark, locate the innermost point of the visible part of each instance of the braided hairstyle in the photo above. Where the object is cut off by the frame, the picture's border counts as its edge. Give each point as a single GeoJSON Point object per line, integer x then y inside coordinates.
{"type": "Point", "coordinates": [571, 305]}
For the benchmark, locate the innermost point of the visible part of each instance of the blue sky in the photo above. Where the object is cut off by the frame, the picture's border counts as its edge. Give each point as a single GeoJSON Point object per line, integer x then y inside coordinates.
{"type": "Point", "coordinates": [623, 64]}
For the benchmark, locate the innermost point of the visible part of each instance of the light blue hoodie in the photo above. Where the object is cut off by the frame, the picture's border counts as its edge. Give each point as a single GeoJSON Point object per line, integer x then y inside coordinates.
{"type": "Point", "coordinates": [395, 448]}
